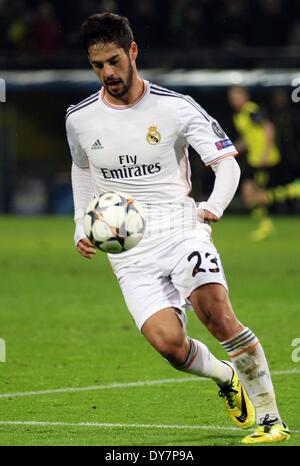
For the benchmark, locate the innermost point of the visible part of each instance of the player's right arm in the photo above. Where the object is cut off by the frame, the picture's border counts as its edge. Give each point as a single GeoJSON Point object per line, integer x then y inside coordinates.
{"type": "Point", "coordinates": [269, 130]}
{"type": "Point", "coordinates": [82, 195]}
{"type": "Point", "coordinates": [258, 118]}
{"type": "Point", "coordinates": [82, 191]}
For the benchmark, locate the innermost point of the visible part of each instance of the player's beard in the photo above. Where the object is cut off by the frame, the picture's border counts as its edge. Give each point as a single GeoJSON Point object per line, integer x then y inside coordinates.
{"type": "Point", "coordinates": [125, 86]}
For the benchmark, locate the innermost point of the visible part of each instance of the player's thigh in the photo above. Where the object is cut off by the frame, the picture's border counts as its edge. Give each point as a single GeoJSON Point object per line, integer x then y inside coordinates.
{"type": "Point", "coordinates": [199, 277]}
{"type": "Point", "coordinates": [146, 293]}
{"type": "Point", "coordinates": [197, 262]}
{"type": "Point", "coordinates": [212, 305]}
{"type": "Point", "coordinates": [166, 332]}
{"type": "Point", "coordinates": [248, 189]}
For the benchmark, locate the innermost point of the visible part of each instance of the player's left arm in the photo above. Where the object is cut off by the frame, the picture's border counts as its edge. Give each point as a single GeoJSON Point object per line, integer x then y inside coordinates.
{"type": "Point", "coordinates": [82, 195]}
{"type": "Point", "coordinates": [207, 137]}
{"type": "Point", "coordinates": [227, 173]}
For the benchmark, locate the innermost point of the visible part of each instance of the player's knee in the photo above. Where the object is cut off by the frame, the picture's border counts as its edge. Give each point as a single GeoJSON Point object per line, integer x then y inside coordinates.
{"type": "Point", "coordinates": [248, 191]}
{"type": "Point", "coordinates": [170, 346]}
{"type": "Point", "coordinates": [170, 349]}
{"type": "Point", "coordinates": [223, 328]}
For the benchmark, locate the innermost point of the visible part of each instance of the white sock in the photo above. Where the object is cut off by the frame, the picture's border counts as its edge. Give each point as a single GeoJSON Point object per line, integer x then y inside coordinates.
{"type": "Point", "coordinates": [252, 368]}
{"type": "Point", "coordinates": [201, 361]}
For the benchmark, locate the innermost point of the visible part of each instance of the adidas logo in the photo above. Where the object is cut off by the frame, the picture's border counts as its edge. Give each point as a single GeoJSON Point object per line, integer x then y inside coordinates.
{"type": "Point", "coordinates": [97, 145]}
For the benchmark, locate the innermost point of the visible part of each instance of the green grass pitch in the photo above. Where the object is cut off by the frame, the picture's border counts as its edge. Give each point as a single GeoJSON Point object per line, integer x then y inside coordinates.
{"type": "Point", "coordinates": [66, 326]}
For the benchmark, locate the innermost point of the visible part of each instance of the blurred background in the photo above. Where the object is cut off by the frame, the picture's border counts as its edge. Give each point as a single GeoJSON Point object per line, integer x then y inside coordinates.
{"type": "Point", "coordinates": [196, 47]}
{"type": "Point", "coordinates": [64, 319]}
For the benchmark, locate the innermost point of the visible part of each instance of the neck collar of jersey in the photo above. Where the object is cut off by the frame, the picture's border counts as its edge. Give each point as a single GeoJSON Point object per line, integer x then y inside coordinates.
{"type": "Point", "coordinates": [124, 107]}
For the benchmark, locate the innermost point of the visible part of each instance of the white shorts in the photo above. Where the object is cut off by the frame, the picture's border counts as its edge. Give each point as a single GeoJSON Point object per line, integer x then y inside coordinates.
{"type": "Point", "coordinates": [166, 276]}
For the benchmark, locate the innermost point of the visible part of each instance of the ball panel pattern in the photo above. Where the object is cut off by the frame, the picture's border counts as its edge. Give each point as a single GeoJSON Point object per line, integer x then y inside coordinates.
{"type": "Point", "coordinates": [114, 222]}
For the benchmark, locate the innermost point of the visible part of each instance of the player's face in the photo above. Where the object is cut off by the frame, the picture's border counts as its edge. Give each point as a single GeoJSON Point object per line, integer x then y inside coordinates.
{"type": "Point", "coordinates": [237, 98]}
{"type": "Point", "coordinates": [113, 66]}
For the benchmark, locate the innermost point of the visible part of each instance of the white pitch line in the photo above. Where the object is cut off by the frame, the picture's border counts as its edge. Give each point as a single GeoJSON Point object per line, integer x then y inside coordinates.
{"type": "Point", "coordinates": [286, 372]}
{"type": "Point", "coordinates": [117, 425]}
{"type": "Point", "coordinates": [103, 387]}
{"type": "Point", "coordinates": [111, 425]}
{"type": "Point", "coordinates": [123, 385]}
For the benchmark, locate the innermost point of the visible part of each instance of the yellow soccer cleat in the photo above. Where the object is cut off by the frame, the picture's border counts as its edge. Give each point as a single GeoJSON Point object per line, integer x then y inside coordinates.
{"type": "Point", "coordinates": [293, 189]}
{"type": "Point", "coordinates": [266, 433]}
{"type": "Point", "coordinates": [264, 230]}
{"type": "Point", "coordinates": [237, 403]}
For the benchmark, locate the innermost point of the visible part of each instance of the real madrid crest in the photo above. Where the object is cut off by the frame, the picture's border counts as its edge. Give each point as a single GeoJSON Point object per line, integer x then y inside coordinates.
{"type": "Point", "coordinates": [153, 136]}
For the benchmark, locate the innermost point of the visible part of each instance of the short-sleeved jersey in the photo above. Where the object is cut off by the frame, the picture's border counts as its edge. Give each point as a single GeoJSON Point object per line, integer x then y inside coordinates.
{"type": "Point", "coordinates": [248, 122]}
{"type": "Point", "coordinates": [142, 149]}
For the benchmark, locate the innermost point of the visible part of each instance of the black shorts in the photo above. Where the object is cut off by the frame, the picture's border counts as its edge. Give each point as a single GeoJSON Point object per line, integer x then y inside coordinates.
{"type": "Point", "coordinates": [263, 177]}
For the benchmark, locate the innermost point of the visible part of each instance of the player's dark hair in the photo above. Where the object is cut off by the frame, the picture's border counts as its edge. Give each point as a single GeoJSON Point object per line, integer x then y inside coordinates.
{"type": "Point", "coordinates": [104, 28]}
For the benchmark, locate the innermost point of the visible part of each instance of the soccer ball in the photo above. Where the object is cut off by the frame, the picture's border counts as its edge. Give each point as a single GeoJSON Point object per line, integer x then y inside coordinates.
{"type": "Point", "coordinates": [114, 222]}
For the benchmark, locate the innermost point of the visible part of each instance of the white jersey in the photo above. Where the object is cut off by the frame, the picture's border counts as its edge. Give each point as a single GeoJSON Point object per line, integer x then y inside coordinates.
{"type": "Point", "coordinates": [142, 149]}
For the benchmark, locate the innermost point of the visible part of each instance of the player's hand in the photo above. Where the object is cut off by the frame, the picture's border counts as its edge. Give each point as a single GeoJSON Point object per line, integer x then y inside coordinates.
{"type": "Point", "coordinates": [86, 248]}
{"type": "Point", "coordinates": [206, 216]}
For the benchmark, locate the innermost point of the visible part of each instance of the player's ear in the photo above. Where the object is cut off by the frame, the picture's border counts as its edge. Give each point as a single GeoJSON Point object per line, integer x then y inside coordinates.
{"type": "Point", "coordinates": [133, 51]}
{"type": "Point", "coordinates": [89, 56]}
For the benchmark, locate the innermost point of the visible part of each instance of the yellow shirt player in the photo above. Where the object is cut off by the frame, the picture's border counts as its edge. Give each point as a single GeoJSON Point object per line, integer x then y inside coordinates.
{"type": "Point", "coordinates": [257, 135]}
{"type": "Point", "coordinates": [257, 138]}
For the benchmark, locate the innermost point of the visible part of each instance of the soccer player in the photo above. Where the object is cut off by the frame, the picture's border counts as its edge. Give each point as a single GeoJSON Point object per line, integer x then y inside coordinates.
{"type": "Point", "coordinates": [278, 194]}
{"type": "Point", "coordinates": [257, 138]}
{"type": "Point", "coordinates": [133, 137]}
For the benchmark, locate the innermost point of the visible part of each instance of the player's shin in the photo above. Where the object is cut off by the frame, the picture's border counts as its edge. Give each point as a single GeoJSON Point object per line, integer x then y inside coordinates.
{"type": "Point", "coordinates": [251, 365]}
{"type": "Point", "coordinates": [200, 361]}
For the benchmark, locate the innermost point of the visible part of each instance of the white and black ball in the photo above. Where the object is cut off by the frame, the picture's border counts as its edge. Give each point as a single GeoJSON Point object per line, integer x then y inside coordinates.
{"type": "Point", "coordinates": [114, 222]}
